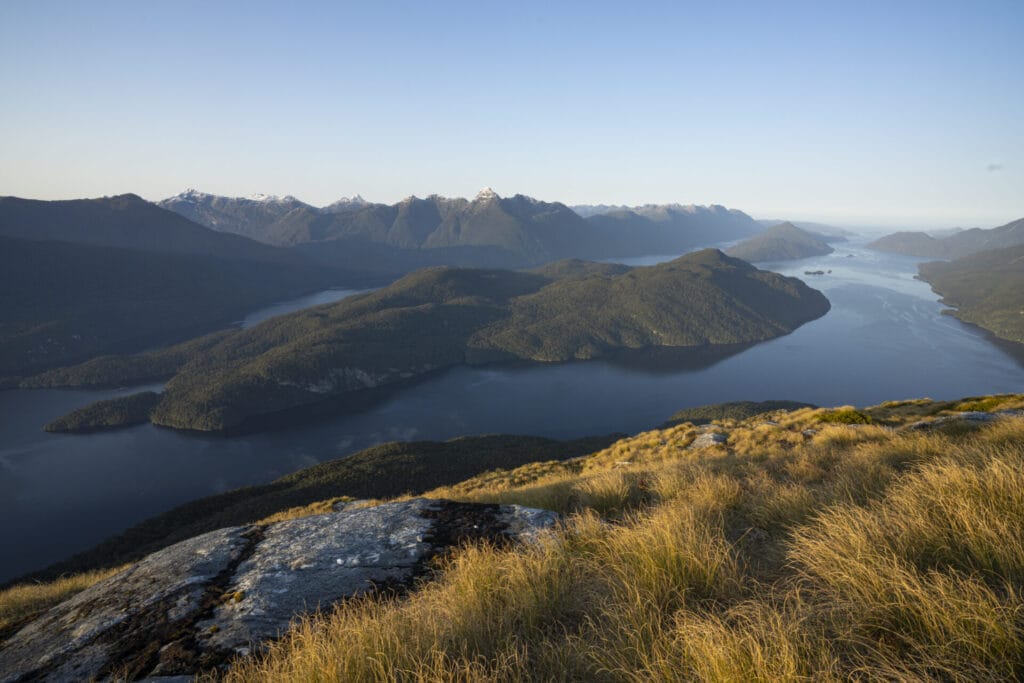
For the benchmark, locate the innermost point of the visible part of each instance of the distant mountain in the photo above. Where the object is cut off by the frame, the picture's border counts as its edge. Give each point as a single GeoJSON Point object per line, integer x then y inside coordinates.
{"type": "Point", "coordinates": [588, 210]}
{"type": "Point", "coordinates": [253, 217]}
{"type": "Point", "coordinates": [487, 231]}
{"type": "Point", "coordinates": [668, 228]}
{"type": "Point", "coordinates": [130, 222]}
{"type": "Point", "coordinates": [346, 204]}
{"type": "Point", "coordinates": [444, 317]}
{"type": "Point", "coordinates": [830, 233]}
{"type": "Point", "coordinates": [945, 232]}
{"type": "Point", "coordinates": [528, 230]}
{"type": "Point", "coordinates": [61, 303]}
{"type": "Point", "coordinates": [783, 242]}
{"type": "Point", "coordinates": [986, 289]}
{"type": "Point", "coordinates": [960, 243]}
{"type": "Point", "coordinates": [113, 275]}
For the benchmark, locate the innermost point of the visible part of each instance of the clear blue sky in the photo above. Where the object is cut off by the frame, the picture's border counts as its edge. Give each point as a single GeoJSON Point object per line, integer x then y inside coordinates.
{"type": "Point", "coordinates": [885, 113]}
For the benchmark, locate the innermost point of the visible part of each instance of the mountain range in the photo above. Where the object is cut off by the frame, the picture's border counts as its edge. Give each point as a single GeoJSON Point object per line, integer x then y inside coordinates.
{"type": "Point", "coordinates": [128, 222]}
{"type": "Point", "coordinates": [117, 274]}
{"type": "Point", "coordinates": [260, 217]}
{"type": "Point", "coordinates": [488, 230]}
{"type": "Point", "coordinates": [114, 275]}
{"type": "Point", "coordinates": [955, 245]}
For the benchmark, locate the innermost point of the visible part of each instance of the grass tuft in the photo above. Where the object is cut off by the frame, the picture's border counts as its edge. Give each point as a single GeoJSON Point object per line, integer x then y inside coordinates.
{"type": "Point", "coordinates": [800, 550]}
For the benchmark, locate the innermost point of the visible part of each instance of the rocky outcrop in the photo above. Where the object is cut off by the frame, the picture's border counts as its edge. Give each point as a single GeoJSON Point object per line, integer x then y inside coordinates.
{"type": "Point", "coordinates": [961, 419]}
{"type": "Point", "coordinates": [195, 605]}
{"type": "Point", "coordinates": [709, 439]}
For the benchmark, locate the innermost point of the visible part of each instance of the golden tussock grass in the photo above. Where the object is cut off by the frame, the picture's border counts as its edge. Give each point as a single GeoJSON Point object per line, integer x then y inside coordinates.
{"type": "Point", "coordinates": [846, 552]}
{"type": "Point", "coordinates": [20, 602]}
{"type": "Point", "coordinates": [853, 553]}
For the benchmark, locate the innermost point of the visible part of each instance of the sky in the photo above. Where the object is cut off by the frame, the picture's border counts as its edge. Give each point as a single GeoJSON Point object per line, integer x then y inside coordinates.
{"type": "Point", "coordinates": [894, 114]}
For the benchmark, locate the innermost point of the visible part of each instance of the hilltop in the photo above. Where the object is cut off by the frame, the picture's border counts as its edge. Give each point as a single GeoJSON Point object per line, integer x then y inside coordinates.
{"type": "Point", "coordinates": [783, 242]}
{"type": "Point", "coordinates": [442, 317]}
{"type": "Point", "coordinates": [779, 549]}
{"type": "Point", "coordinates": [62, 302]}
{"type": "Point", "coordinates": [958, 244]}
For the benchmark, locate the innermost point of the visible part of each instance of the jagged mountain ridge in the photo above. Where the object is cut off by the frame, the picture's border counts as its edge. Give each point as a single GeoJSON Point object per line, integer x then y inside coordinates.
{"type": "Point", "coordinates": [487, 230]}
{"type": "Point", "coordinates": [256, 216]}
{"type": "Point", "coordinates": [414, 222]}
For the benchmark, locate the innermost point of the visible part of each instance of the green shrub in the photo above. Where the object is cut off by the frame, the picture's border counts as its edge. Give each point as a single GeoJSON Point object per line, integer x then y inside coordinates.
{"type": "Point", "coordinates": [846, 416]}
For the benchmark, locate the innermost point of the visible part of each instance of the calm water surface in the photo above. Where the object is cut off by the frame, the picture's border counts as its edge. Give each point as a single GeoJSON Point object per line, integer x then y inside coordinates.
{"type": "Point", "coordinates": [883, 339]}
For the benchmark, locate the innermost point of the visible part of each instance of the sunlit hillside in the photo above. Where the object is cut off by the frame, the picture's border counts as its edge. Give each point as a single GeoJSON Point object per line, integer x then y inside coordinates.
{"type": "Point", "coordinates": [856, 550]}
{"type": "Point", "coordinates": [886, 542]}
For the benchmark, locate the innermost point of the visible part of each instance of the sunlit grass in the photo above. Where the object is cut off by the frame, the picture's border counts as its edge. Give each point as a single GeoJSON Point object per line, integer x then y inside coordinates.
{"type": "Point", "coordinates": [855, 553]}
{"type": "Point", "coordinates": [20, 602]}
{"type": "Point", "coordinates": [801, 550]}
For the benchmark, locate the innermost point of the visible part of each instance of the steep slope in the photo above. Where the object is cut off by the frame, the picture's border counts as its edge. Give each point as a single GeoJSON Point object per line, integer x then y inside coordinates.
{"type": "Point", "coordinates": [252, 217]}
{"type": "Point", "coordinates": [539, 231]}
{"type": "Point", "coordinates": [117, 274]}
{"type": "Point", "coordinates": [261, 217]}
{"type": "Point", "coordinates": [986, 289]}
{"type": "Point", "coordinates": [956, 245]}
{"type": "Point", "coordinates": [127, 221]}
{"type": "Point", "coordinates": [487, 231]}
{"type": "Point", "coordinates": [528, 230]}
{"type": "Point", "coordinates": [703, 298]}
{"type": "Point", "coordinates": [670, 228]}
{"type": "Point", "coordinates": [61, 303]}
{"type": "Point", "coordinates": [518, 230]}
{"type": "Point", "coordinates": [442, 317]}
{"type": "Point", "coordinates": [778, 551]}
{"type": "Point", "coordinates": [783, 242]}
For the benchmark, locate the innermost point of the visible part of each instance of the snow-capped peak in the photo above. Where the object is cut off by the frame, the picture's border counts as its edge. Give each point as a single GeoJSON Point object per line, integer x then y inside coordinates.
{"type": "Point", "coordinates": [191, 195]}
{"type": "Point", "coordinates": [486, 194]}
{"type": "Point", "coordinates": [260, 197]}
{"type": "Point", "coordinates": [354, 199]}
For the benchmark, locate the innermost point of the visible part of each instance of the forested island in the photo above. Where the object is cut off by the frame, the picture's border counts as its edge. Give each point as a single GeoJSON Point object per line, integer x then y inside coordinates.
{"type": "Point", "coordinates": [443, 317]}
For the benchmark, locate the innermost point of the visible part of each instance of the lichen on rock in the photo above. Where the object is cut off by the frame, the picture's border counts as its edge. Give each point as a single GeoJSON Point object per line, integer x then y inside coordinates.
{"type": "Point", "coordinates": [195, 605]}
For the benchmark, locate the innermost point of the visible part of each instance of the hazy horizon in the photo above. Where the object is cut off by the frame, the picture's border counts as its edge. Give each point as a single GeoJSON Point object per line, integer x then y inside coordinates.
{"type": "Point", "coordinates": [864, 116]}
{"type": "Point", "coordinates": [880, 227]}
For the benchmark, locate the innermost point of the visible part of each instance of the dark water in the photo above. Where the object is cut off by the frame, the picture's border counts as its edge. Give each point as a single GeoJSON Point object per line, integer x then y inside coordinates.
{"type": "Point", "coordinates": [883, 339]}
{"type": "Point", "coordinates": [328, 296]}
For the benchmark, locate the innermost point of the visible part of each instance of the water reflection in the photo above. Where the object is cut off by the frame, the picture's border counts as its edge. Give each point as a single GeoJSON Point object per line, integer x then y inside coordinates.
{"type": "Point", "coordinates": [884, 338]}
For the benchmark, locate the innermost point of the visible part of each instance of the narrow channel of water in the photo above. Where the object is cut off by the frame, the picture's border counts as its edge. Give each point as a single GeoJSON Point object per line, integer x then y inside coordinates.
{"type": "Point", "coordinates": [885, 338]}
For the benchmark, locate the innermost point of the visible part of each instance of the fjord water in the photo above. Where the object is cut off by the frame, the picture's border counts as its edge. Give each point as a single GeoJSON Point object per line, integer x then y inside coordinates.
{"type": "Point", "coordinates": [884, 338]}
